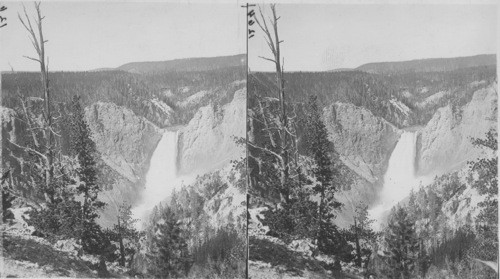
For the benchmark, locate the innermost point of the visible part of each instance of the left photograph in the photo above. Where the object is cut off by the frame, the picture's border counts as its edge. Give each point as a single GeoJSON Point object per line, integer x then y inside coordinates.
{"type": "Point", "coordinates": [123, 128]}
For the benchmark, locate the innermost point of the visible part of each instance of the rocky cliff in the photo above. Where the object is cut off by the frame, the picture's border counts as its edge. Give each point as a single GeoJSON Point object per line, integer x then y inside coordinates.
{"type": "Point", "coordinates": [364, 141]}
{"type": "Point", "coordinates": [444, 144]}
{"type": "Point", "coordinates": [126, 143]}
{"type": "Point", "coordinates": [208, 141]}
{"type": "Point", "coordinates": [10, 154]}
{"type": "Point", "coordinates": [124, 140]}
{"type": "Point", "coordinates": [10, 125]}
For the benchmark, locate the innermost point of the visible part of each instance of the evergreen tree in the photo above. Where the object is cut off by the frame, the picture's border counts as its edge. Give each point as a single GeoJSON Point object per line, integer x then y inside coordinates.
{"type": "Point", "coordinates": [82, 146]}
{"type": "Point", "coordinates": [402, 245]}
{"type": "Point", "coordinates": [362, 235]}
{"type": "Point", "coordinates": [62, 217]}
{"type": "Point", "coordinates": [325, 171]}
{"type": "Point", "coordinates": [484, 178]}
{"type": "Point", "coordinates": [423, 260]}
{"type": "Point", "coordinates": [168, 252]}
{"type": "Point", "coordinates": [125, 232]}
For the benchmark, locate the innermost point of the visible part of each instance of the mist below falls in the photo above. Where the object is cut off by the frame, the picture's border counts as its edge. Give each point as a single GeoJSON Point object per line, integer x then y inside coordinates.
{"type": "Point", "coordinates": [399, 178]}
{"type": "Point", "coordinates": [161, 178]}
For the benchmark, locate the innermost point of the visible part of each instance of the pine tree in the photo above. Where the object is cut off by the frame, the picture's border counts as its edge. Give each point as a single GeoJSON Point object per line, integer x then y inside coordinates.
{"type": "Point", "coordinates": [168, 253]}
{"type": "Point", "coordinates": [126, 234]}
{"type": "Point", "coordinates": [423, 260]}
{"type": "Point", "coordinates": [319, 148]}
{"type": "Point", "coordinates": [484, 178]}
{"type": "Point", "coordinates": [296, 219]}
{"type": "Point", "coordinates": [82, 146]}
{"type": "Point", "coordinates": [363, 235]}
{"type": "Point", "coordinates": [402, 245]}
{"type": "Point", "coordinates": [62, 214]}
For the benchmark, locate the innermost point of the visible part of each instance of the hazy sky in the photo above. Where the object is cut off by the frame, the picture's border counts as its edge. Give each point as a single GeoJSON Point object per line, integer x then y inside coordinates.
{"type": "Point", "coordinates": [84, 36]}
{"type": "Point", "coordinates": [325, 37]}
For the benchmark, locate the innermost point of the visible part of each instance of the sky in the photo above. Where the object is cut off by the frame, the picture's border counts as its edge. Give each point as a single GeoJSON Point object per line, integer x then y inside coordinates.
{"type": "Point", "coordinates": [326, 37]}
{"type": "Point", "coordinates": [91, 35]}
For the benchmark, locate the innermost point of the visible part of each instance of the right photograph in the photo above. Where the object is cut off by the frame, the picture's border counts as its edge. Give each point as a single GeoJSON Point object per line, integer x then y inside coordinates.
{"type": "Point", "coordinates": [372, 141]}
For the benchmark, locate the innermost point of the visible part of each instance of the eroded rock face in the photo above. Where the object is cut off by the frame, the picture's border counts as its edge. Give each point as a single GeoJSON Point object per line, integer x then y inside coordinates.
{"type": "Point", "coordinates": [125, 140]}
{"type": "Point", "coordinates": [126, 143]}
{"type": "Point", "coordinates": [445, 142]}
{"type": "Point", "coordinates": [364, 141]}
{"type": "Point", "coordinates": [10, 124]}
{"type": "Point", "coordinates": [207, 142]}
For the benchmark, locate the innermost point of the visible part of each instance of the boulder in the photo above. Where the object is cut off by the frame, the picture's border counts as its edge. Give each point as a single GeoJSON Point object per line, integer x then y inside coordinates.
{"type": "Point", "coordinates": [70, 246]}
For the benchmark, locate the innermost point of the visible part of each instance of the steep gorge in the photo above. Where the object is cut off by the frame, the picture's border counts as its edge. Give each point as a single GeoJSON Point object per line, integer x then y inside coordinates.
{"type": "Point", "coordinates": [444, 144]}
{"type": "Point", "coordinates": [207, 142]}
{"type": "Point", "coordinates": [127, 143]}
{"type": "Point", "coordinates": [366, 144]}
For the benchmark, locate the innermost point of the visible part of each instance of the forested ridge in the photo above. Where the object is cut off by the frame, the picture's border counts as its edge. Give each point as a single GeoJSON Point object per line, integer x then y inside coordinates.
{"type": "Point", "coordinates": [374, 91]}
{"type": "Point", "coordinates": [133, 91]}
{"type": "Point", "coordinates": [429, 64]}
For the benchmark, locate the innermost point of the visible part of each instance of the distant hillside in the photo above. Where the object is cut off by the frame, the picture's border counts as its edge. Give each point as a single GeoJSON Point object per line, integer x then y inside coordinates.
{"type": "Point", "coordinates": [342, 70]}
{"type": "Point", "coordinates": [103, 70]}
{"type": "Point", "coordinates": [429, 65]}
{"type": "Point", "coordinates": [185, 65]}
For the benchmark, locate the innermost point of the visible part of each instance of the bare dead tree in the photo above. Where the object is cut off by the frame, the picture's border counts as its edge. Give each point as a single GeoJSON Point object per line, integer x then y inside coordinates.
{"type": "Point", "coordinates": [285, 144]}
{"type": "Point", "coordinates": [42, 149]}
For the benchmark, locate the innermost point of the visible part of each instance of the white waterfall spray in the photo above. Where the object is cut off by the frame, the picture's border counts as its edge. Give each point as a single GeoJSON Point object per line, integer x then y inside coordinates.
{"type": "Point", "coordinates": [399, 178]}
{"type": "Point", "coordinates": [161, 178]}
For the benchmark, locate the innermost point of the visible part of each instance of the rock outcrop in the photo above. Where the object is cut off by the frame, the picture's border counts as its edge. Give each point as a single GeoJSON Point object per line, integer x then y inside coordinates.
{"type": "Point", "coordinates": [364, 141]}
{"type": "Point", "coordinates": [208, 141]}
{"type": "Point", "coordinates": [10, 125]}
{"type": "Point", "coordinates": [125, 140]}
{"type": "Point", "coordinates": [445, 142]}
{"type": "Point", "coordinates": [126, 143]}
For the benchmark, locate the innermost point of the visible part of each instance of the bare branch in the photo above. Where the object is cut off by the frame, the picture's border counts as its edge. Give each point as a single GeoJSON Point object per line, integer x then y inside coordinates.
{"type": "Point", "coordinates": [28, 119]}
{"type": "Point", "coordinates": [54, 132]}
{"type": "Point", "coordinates": [31, 58]}
{"type": "Point", "coordinates": [269, 59]}
{"type": "Point", "coordinates": [265, 150]}
{"type": "Point", "coordinates": [263, 26]}
{"type": "Point", "coordinates": [29, 28]}
{"type": "Point", "coordinates": [28, 149]}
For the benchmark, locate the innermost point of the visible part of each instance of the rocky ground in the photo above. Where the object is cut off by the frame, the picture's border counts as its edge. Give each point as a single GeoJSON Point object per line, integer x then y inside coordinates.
{"type": "Point", "coordinates": [24, 255]}
{"type": "Point", "coordinates": [270, 257]}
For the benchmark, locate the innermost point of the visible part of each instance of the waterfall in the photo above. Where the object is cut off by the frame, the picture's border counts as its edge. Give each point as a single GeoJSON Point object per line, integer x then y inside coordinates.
{"type": "Point", "coordinates": [161, 178]}
{"type": "Point", "coordinates": [399, 178]}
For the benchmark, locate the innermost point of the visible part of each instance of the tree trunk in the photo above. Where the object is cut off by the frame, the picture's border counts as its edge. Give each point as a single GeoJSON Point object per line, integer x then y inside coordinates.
{"type": "Point", "coordinates": [283, 117]}
{"type": "Point", "coordinates": [274, 45]}
{"type": "Point", "coordinates": [46, 92]}
{"type": "Point", "coordinates": [39, 45]}
{"type": "Point", "coordinates": [358, 248]}
{"type": "Point", "coordinates": [122, 247]}
{"type": "Point", "coordinates": [320, 215]}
